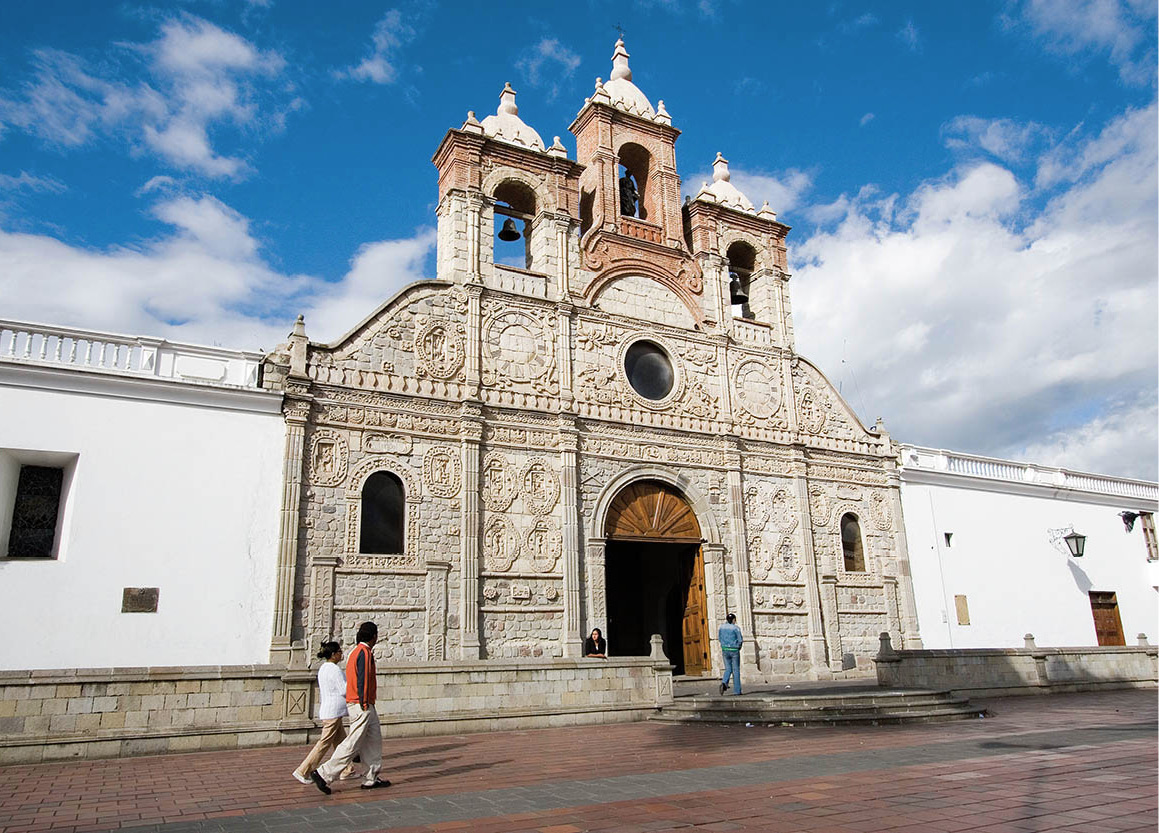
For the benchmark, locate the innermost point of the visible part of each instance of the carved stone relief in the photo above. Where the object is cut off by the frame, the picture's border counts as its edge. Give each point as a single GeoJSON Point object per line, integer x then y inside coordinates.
{"type": "Point", "coordinates": [756, 389]}
{"type": "Point", "coordinates": [813, 409]}
{"type": "Point", "coordinates": [543, 544]}
{"type": "Point", "coordinates": [519, 348]}
{"type": "Point", "coordinates": [539, 486]}
{"type": "Point", "coordinates": [328, 458]}
{"type": "Point", "coordinates": [438, 347]}
{"type": "Point", "coordinates": [387, 444]}
{"type": "Point", "coordinates": [500, 545]}
{"type": "Point", "coordinates": [499, 482]}
{"type": "Point", "coordinates": [880, 510]}
{"type": "Point", "coordinates": [441, 471]}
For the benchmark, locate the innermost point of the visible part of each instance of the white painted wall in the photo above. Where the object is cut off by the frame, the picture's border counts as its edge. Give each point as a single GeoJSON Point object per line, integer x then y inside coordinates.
{"type": "Point", "coordinates": [1015, 581]}
{"type": "Point", "coordinates": [177, 496]}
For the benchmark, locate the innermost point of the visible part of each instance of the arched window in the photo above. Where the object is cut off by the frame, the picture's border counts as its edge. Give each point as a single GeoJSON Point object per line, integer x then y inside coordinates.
{"type": "Point", "coordinates": [514, 216]}
{"type": "Point", "coordinates": [742, 261]}
{"type": "Point", "coordinates": [635, 168]}
{"type": "Point", "coordinates": [587, 199]}
{"type": "Point", "coordinates": [383, 504]}
{"type": "Point", "coordinates": [851, 544]}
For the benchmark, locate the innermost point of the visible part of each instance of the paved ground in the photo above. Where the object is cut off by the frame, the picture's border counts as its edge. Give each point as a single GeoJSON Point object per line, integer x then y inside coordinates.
{"type": "Point", "coordinates": [1084, 763]}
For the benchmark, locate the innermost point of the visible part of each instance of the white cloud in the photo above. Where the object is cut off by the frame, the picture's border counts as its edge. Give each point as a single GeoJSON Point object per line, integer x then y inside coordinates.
{"type": "Point", "coordinates": [198, 78]}
{"type": "Point", "coordinates": [866, 119]}
{"type": "Point", "coordinates": [378, 67]}
{"type": "Point", "coordinates": [910, 36]}
{"type": "Point", "coordinates": [1004, 139]}
{"type": "Point", "coordinates": [204, 281]}
{"type": "Point", "coordinates": [1129, 429]}
{"type": "Point", "coordinates": [1122, 30]}
{"type": "Point", "coordinates": [25, 181]}
{"type": "Point", "coordinates": [973, 322]}
{"type": "Point", "coordinates": [548, 64]}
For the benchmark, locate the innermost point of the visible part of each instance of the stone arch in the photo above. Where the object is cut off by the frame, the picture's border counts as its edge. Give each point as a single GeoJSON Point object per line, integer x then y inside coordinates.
{"type": "Point", "coordinates": [412, 497]}
{"type": "Point", "coordinates": [858, 510]}
{"type": "Point", "coordinates": [543, 198]}
{"type": "Point", "coordinates": [394, 465]}
{"type": "Point", "coordinates": [631, 267]}
{"type": "Point", "coordinates": [697, 500]}
{"type": "Point", "coordinates": [762, 259]}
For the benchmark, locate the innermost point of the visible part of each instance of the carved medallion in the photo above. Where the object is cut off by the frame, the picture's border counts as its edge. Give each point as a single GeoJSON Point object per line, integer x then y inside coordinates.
{"type": "Point", "coordinates": [499, 482]}
{"type": "Point", "coordinates": [543, 544]}
{"type": "Point", "coordinates": [540, 486]}
{"type": "Point", "coordinates": [812, 411]}
{"type": "Point", "coordinates": [518, 347]}
{"type": "Point", "coordinates": [881, 511]}
{"type": "Point", "coordinates": [439, 349]}
{"type": "Point", "coordinates": [758, 506]}
{"type": "Point", "coordinates": [756, 390]}
{"type": "Point", "coordinates": [500, 545]}
{"type": "Point", "coordinates": [441, 468]}
{"type": "Point", "coordinates": [819, 506]}
{"type": "Point", "coordinates": [387, 444]}
{"type": "Point", "coordinates": [328, 456]}
{"type": "Point", "coordinates": [788, 564]}
{"type": "Point", "coordinates": [784, 514]}
{"type": "Point", "coordinates": [760, 559]}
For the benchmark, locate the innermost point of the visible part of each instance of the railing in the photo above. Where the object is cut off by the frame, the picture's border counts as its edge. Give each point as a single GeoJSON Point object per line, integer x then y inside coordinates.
{"type": "Point", "coordinates": [972, 465]}
{"type": "Point", "coordinates": [756, 333]}
{"type": "Point", "coordinates": [90, 350]}
{"type": "Point", "coordinates": [641, 230]}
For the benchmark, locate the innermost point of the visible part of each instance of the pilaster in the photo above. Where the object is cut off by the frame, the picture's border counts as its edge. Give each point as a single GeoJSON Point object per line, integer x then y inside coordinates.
{"type": "Point", "coordinates": [569, 482]}
{"type": "Point", "coordinates": [321, 625]}
{"type": "Point", "coordinates": [472, 435]}
{"type": "Point", "coordinates": [296, 409]}
{"type": "Point", "coordinates": [817, 653]}
{"type": "Point", "coordinates": [597, 586]}
{"type": "Point", "coordinates": [437, 572]}
{"type": "Point", "coordinates": [714, 588]}
{"type": "Point", "coordinates": [740, 559]}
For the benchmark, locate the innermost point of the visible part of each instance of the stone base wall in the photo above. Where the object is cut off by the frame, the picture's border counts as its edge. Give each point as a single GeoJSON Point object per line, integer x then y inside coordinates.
{"type": "Point", "coordinates": [1006, 671]}
{"type": "Point", "coordinates": [114, 712]}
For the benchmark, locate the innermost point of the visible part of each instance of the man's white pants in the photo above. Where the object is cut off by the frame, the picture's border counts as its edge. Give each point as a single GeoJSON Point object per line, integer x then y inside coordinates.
{"type": "Point", "coordinates": [364, 738]}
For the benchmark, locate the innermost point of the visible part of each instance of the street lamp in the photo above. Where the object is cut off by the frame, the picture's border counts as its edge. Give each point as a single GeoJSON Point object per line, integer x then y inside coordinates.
{"type": "Point", "coordinates": [1075, 543]}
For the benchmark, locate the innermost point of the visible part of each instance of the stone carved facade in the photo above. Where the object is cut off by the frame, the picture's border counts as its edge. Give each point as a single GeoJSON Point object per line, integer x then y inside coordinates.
{"type": "Point", "coordinates": [501, 400]}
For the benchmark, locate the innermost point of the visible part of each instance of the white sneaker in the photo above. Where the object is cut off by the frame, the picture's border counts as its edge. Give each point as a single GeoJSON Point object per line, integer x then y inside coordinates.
{"type": "Point", "coordinates": [302, 779]}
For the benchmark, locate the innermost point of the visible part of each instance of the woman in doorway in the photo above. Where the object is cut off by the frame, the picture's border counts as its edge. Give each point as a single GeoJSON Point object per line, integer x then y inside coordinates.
{"type": "Point", "coordinates": [595, 645]}
{"type": "Point", "coordinates": [331, 710]}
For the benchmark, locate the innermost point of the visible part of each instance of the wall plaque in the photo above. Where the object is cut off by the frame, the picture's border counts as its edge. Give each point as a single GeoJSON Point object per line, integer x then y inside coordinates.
{"type": "Point", "coordinates": [140, 599]}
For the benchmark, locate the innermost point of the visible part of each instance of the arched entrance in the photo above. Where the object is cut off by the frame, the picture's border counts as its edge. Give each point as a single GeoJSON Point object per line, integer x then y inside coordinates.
{"type": "Point", "coordinates": [654, 576]}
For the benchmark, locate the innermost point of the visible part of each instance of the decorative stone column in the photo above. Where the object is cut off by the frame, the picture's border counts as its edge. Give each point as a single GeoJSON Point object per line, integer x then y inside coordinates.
{"type": "Point", "coordinates": [296, 409]}
{"type": "Point", "coordinates": [563, 352]}
{"type": "Point", "coordinates": [597, 585]}
{"type": "Point", "coordinates": [904, 587]}
{"type": "Point", "coordinates": [437, 572]}
{"type": "Point", "coordinates": [818, 655]}
{"type": "Point", "coordinates": [474, 338]}
{"type": "Point", "coordinates": [714, 589]}
{"type": "Point", "coordinates": [474, 204]}
{"type": "Point", "coordinates": [740, 558]}
{"type": "Point", "coordinates": [569, 488]}
{"type": "Point", "coordinates": [829, 616]}
{"type": "Point", "coordinates": [472, 435]}
{"type": "Point", "coordinates": [321, 599]}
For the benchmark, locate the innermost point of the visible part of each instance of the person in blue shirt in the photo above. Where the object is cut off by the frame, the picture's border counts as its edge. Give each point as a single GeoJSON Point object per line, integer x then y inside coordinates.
{"type": "Point", "coordinates": [730, 641]}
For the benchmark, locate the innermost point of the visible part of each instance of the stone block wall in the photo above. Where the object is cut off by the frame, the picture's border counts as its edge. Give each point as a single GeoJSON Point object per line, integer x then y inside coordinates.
{"type": "Point", "coordinates": [108, 712]}
{"type": "Point", "coordinates": [1007, 671]}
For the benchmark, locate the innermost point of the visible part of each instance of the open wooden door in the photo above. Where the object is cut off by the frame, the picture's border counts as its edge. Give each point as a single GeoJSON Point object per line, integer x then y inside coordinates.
{"type": "Point", "coordinates": [695, 618]}
{"type": "Point", "coordinates": [1108, 626]}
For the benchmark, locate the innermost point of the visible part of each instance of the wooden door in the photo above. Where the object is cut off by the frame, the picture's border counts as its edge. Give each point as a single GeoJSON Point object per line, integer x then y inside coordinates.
{"type": "Point", "coordinates": [1108, 626]}
{"type": "Point", "coordinates": [694, 629]}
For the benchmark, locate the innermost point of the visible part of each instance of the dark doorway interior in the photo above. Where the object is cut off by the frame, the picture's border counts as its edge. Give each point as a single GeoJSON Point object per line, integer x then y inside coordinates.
{"type": "Point", "coordinates": [647, 585]}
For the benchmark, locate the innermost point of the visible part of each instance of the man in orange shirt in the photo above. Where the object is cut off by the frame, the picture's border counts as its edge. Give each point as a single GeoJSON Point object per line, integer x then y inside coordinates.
{"type": "Point", "coordinates": [364, 737]}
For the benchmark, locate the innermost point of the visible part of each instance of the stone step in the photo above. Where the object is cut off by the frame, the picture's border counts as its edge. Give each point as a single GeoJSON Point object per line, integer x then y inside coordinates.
{"type": "Point", "coordinates": [806, 719]}
{"type": "Point", "coordinates": [811, 703]}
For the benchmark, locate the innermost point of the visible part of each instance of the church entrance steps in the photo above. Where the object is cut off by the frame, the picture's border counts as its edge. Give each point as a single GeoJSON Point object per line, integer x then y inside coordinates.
{"type": "Point", "coordinates": [821, 706]}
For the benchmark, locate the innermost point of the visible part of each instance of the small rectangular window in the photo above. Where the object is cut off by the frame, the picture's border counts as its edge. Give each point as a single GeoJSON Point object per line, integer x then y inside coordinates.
{"type": "Point", "coordinates": [962, 609]}
{"type": "Point", "coordinates": [35, 511]}
{"type": "Point", "coordinates": [1147, 521]}
{"type": "Point", "coordinates": [948, 536]}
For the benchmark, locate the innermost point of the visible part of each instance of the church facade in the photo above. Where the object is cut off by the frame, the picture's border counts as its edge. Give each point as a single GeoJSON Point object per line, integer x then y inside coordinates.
{"type": "Point", "coordinates": [593, 417]}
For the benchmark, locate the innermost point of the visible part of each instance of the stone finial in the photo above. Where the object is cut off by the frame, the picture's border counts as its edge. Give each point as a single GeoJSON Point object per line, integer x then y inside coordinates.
{"type": "Point", "coordinates": [720, 169]}
{"type": "Point", "coordinates": [1143, 643]}
{"type": "Point", "coordinates": [766, 212]}
{"type": "Point", "coordinates": [1028, 641]}
{"type": "Point", "coordinates": [662, 114]}
{"type": "Point", "coordinates": [620, 67]}
{"type": "Point", "coordinates": [658, 648]}
{"type": "Point", "coordinates": [506, 125]}
{"type": "Point", "coordinates": [507, 100]}
{"type": "Point", "coordinates": [885, 651]}
{"type": "Point", "coordinates": [298, 342]}
{"type": "Point", "coordinates": [471, 125]}
{"type": "Point", "coordinates": [557, 148]}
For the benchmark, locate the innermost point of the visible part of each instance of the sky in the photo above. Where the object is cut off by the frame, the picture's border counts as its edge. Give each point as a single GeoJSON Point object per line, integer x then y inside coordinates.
{"type": "Point", "coordinates": [972, 187]}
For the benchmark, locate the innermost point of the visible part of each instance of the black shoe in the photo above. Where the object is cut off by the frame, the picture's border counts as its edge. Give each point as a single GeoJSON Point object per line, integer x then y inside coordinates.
{"type": "Point", "coordinates": [357, 759]}
{"type": "Point", "coordinates": [320, 782]}
{"type": "Point", "coordinates": [378, 782]}
{"type": "Point", "coordinates": [723, 689]}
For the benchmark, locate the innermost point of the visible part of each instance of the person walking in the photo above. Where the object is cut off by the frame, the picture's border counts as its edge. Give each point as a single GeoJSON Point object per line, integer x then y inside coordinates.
{"type": "Point", "coordinates": [731, 639]}
{"type": "Point", "coordinates": [365, 737]}
{"type": "Point", "coordinates": [331, 711]}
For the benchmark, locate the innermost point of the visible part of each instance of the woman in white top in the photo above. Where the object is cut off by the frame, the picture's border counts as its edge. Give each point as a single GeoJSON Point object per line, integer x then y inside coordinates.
{"type": "Point", "coordinates": [331, 710]}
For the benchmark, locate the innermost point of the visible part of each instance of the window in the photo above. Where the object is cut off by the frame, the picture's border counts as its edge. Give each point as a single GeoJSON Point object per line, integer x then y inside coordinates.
{"type": "Point", "coordinates": [1147, 520]}
{"type": "Point", "coordinates": [742, 261]}
{"type": "Point", "coordinates": [34, 500]}
{"type": "Point", "coordinates": [851, 544]}
{"type": "Point", "coordinates": [383, 504]}
{"type": "Point", "coordinates": [634, 170]}
{"type": "Point", "coordinates": [514, 220]}
{"type": "Point", "coordinates": [648, 370]}
{"type": "Point", "coordinates": [949, 536]}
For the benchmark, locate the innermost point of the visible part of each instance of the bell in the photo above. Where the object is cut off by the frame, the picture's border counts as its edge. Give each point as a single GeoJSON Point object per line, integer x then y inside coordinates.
{"type": "Point", "coordinates": [508, 232]}
{"type": "Point", "coordinates": [736, 292]}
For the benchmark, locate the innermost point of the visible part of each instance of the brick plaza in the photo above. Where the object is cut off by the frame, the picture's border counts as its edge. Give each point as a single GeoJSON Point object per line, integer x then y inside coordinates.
{"type": "Point", "coordinates": [1078, 762]}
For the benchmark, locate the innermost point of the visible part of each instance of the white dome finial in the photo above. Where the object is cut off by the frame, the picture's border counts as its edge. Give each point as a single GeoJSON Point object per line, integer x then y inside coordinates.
{"type": "Point", "coordinates": [507, 100]}
{"type": "Point", "coordinates": [620, 67]}
{"type": "Point", "coordinates": [720, 169]}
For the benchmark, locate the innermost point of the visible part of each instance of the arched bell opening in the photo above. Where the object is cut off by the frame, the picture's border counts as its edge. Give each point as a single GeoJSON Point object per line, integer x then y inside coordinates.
{"type": "Point", "coordinates": [654, 576]}
{"type": "Point", "coordinates": [742, 260]}
{"type": "Point", "coordinates": [515, 213]}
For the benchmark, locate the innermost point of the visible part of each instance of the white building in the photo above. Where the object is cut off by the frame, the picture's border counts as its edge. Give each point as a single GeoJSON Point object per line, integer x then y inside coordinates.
{"type": "Point", "coordinates": [990, 563]}
{"type": "Point", "coordinates": [134, 473]}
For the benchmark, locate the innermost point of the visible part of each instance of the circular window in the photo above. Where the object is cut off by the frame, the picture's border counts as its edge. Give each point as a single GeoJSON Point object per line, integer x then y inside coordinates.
{"type": "Point", "coordinates": [649, 371]}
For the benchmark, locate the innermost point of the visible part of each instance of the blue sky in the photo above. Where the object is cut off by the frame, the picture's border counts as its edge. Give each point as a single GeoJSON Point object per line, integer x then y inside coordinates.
{"type": "Point", "coordinates": [972, 187]}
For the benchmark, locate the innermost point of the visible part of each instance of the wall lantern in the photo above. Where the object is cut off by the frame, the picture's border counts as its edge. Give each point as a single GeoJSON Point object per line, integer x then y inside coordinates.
{"type": "Point", "coordinates": [1075, 543]}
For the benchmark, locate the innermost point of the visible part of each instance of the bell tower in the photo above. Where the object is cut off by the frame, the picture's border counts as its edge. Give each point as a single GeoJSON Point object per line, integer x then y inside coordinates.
{"type": "Point", "coordinates": [629, 200]}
